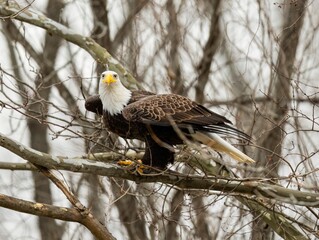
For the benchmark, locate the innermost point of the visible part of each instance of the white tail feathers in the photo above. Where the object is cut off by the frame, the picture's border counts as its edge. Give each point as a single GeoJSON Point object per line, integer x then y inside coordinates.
{"type": "Point", "coordinates": [217, 143]}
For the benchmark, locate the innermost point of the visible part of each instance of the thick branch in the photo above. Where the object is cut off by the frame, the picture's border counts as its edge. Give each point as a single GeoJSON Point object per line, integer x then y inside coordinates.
{"type": "Point", "coordinates": [40, 209]}
{"type": "Point", "coordinates": [17, 166]}
{"type": "Point", "coordinates": [100, 54]}
{"type": "Point", "coordinates": [62, 213]}
{"type": "Point", "coordinates": [254, 188]}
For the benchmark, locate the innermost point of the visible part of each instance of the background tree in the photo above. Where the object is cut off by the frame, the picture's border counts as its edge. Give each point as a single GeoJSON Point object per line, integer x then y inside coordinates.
{"type": "Point", "coordinates": [252, 61]}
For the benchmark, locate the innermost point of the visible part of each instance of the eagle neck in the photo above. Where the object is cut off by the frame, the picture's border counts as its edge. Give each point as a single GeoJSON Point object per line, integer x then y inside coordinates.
{"type": "Point", "coordinates": [114, 97]}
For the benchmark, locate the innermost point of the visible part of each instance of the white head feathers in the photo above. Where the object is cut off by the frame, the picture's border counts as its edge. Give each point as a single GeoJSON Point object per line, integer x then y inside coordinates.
{"type": "Point", "coordinates": [113, 94]}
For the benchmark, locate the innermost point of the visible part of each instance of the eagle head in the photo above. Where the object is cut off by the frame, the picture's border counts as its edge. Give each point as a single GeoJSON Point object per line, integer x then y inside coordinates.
{"type": "Point", "coordinates": [109, 77]}
{"type": "Point", "coordinates": [113, 94]}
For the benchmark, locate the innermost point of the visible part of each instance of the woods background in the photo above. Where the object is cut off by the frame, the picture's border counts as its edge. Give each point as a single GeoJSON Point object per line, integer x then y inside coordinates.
{"type": "Point", "coordinates": [255, 62]}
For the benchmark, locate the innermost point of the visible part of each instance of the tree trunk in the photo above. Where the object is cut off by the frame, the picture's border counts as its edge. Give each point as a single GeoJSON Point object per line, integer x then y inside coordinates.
{"type": "Point", "coordinates": [38, 107]}
{"type": "Point", "coordinates": [278, 109]}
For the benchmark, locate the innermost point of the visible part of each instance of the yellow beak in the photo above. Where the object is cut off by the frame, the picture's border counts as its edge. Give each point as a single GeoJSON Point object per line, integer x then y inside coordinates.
{"type": "Point", "coordinates": [109, 79]}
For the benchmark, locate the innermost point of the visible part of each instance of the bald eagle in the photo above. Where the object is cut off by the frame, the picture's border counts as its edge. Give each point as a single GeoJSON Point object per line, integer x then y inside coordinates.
{"type": "Point", "coordinates": [153, 118]}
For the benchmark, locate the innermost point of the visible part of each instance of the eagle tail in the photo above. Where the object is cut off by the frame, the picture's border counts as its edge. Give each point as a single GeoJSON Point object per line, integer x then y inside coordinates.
{"type": "Point", "coordinates": [220, 145]}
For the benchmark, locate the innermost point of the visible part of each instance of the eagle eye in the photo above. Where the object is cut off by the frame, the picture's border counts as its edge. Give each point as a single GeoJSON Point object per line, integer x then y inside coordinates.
{"type": "Point", "coordinates": [115, 75]}
{"type": "Point", "coordinates": [103, 75]}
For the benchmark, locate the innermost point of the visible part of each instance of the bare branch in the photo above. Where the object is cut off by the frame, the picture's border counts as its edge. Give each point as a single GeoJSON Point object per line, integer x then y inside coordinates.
{"type": "Point", "coordinates": [88, 220]}
{"type": "Point", "coordinates": [181, 181]}
{"type": "Point", "coordinates": [62, 213]}
{"type": "Point", "coordinates": [40, 209]}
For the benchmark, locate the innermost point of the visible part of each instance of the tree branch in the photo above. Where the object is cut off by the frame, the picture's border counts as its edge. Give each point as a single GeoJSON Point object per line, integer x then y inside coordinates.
{"type": "Point", "coordinates": [247, 100]}
{"type": "Point", "coordinates": [182, 181]}
{"type": "Point", "coordinates": [17, 166]}
{"type": "Point", "coordinates": [278, 221]}
{"type": "Point", "coordinates": [40, 209]}
{"type": "Point", "coordinates": [88, 220]}
{"type": "Point", "coordinates": [9, 9]}
{"type": "Point", "coordinates": [62, 213]}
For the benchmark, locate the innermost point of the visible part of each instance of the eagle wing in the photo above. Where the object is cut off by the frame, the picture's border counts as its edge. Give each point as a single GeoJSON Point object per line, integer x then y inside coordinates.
{"type": "Point", "coordinates": [161, 109]}
{"type": "Point", "coordinates": [94, 104]}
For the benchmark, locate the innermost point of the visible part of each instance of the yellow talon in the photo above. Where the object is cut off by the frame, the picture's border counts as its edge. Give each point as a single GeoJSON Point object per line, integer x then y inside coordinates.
{"type": "Point", "coordinates": [125, 162]}
{"type": "Point", "coordinates": [133, 166]}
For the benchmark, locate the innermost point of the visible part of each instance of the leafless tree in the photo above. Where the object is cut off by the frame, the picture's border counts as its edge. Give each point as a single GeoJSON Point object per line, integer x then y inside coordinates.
{"type": "Point", "coordinates": [253, 61]}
